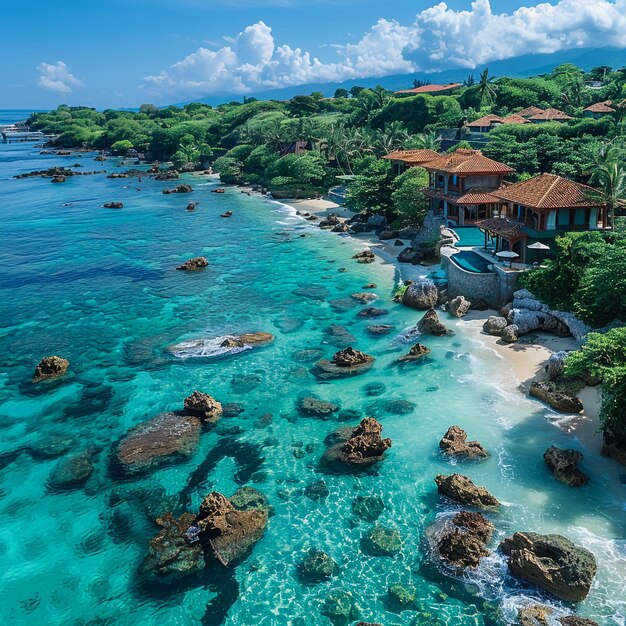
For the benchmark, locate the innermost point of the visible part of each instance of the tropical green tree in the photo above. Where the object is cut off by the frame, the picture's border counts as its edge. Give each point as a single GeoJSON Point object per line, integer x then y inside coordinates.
{"type": "Point", "coordinates": [371, 189]}
{"type": "Point", "coordinates": [486, 89]}
{"type": "Point", "coordinates": [428, 140]}
{"type": "Point", "coordinates": [610, 175]}
{"type": "Point", "coordinates": [408, 202]}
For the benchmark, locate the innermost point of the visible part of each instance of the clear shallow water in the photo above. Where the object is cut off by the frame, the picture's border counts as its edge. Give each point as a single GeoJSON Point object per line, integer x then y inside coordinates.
{"type": "Point", "coordinates": [98, 286]}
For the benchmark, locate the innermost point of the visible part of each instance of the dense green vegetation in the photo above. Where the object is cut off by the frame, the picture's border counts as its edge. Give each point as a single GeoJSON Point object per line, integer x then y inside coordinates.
{"type": "Point", "coordinates": [603, 357]}
{"type": "Point", "coordinates": [254, 141]}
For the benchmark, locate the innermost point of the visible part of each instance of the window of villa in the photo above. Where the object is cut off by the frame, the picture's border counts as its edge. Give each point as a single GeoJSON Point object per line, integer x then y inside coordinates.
{"type": "Point", "coordinates": [562, 217]}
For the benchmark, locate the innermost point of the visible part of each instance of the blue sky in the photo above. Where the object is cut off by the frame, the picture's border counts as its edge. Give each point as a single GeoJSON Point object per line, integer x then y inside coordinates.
{"type": "Point", "coordinates": [125, 52]}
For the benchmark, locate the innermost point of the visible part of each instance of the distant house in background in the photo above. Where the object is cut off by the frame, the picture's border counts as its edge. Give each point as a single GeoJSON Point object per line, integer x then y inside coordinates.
{"type": "Point", "coordinates": [297, 147]}
{"type": "Point", "coordinates": [484, 124]}
{"type": "Point", "coordinates": [403, 159]}
{"type": "Point", "coordinates": [429, 89]}
{"type": "Point", "coordinates": [528, 112]}
{"type": "Point", "coordinates": [514, 118]}
{"type": "Point", "coordinates": [594, 84]}
{"type": "Point", "coordinates": [550, 115]}
{"type": "Point", "coordinates": [461, 186]}
{"type": "Point", "coordinates": [599, 109]}
{"type": "Point", "coordinates": [539, 209]}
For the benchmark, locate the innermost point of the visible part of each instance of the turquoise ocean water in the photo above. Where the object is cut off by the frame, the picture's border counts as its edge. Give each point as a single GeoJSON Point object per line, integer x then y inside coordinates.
{"type": "Point", "coordinates": [98, 287]}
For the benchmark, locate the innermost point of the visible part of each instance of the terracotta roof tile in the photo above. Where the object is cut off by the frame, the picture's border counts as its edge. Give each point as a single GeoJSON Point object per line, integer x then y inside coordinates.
{"type": "Point", "coordinates": [516, 118]}
{"type": "Point", "coordinates": [549, 191]}
{"type": "Point", "coordinates": [601, 107]}
{"type": "Point", "coordinates": [550, 115]}
{"type": "Point", "coordinates": [464, 161]}
{"type": "Point", "coordinates": [486, 120]}
{"type": "Point", "coordinates": [414, 157]}
{"type": "Point", "coordinates": [478, 195]}
{"type": "Point", "coordinates": [430, 88]}
{"type": "Point", "coordinates": [502, 226]}
{"type": "Point", "coordinates": [530, 111]}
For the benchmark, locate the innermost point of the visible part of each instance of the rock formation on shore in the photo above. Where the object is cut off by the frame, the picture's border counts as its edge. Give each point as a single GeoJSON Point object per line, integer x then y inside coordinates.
{"type": "Point", "coordinates": [359, 447]}
{"type": "Point", "coordinates": [552, 563]}
{"type": "Point", "coordinates": [50, 367]}
{"type": "Point", "coordinates": [204, 406]}
{"type": "Point", "coordinates": [166, 438]}
{"type": "Point", "coordinates": [461, 489]}
{"type": "Point", "coordinates": [421, 294]}
{"type": "Point", "coordinates": [614, 446]}
{"type": "Point", "coordinates": [430, 324]}
{"type": "Point", "coordinates": [458, 307]}
{"type": "Point", "coordinates": [563, 464]}
{"type": "Point", "coordinates": [464, 539]}
{"type": "Point", "coordinates": [556, 398]}
{"type": "Point", "coordinates": [346, 362]}
{"type": "Point", "coordinates": [495, 325]}
{"type": "Point", "coordinates": [191, 265]}
{"type": "Point", "coordinates": [221, 534]}
{"type": "Point", "coordinates": [455, 443]}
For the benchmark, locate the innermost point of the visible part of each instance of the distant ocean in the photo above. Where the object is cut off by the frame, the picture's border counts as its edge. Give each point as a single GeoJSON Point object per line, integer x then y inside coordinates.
{"type": "Point", "coordinates": [11, 116]}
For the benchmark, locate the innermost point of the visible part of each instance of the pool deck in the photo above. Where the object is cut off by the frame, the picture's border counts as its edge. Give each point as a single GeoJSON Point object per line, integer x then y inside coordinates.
{"type": "Point", "coordinates": [499, 263]}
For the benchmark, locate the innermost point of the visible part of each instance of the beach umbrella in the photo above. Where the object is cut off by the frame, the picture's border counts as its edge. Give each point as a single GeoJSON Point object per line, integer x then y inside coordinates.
{"type": "Point", "coordinates": [507, 254]}
{"type": "Point", "coordinates": [538, 246]}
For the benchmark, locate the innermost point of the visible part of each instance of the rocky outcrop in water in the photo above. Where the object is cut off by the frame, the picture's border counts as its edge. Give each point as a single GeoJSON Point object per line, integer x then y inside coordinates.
{"type": "Point", "coordinates": [316, 408]}
{"type": "Point", "coordinates": [179, 189]}
{"type": "Point", "coordinates": [382, 541]}
{"type": "Point", "coordinates": [167, 175]}
{"type": "Point", "coordinates": [329, 221]}
{"type": "Point", "coordinates": [455, 443]}
{"type": "Point", "coordinates": [50, 367]}
{"type": "Point", "coordinates": [317, 567]}
{"type": "Point", "coordinates": [166, 438]}
{"type": "Point", "coordinates": [563, 465]}
{"type": "Point", "coordinates": [219, 346]}
{"type": "Point", "coordinates": [380, 329]}
{"type": "Point", "coordinates": [464, 540]}
{"type": "Point", "coordinates": [430, 324]}
{"type": "Point", "coordinates": [416, 353]}
{"type": "Point", "coordinates": [575, 620]}
{"type": "Point", "coordinates": [421, 294]}
{"type": "Point", "coordinates": [364, 298]}
{"type": "Point", "coordinates": [220, 534]}
{"type": "Point", "coordinates": [192, 206]}
{"type": "Point", "coordinates": [552, 563]}
{"type": "Point", "coordinates": [556, 398]}
{"type": "Point", "coordinates": [113, 205]}
{"type": "Point", "coordinates": [534, 615]}
{"type": "Point", "coordinates": [191, 265]}
{"type": "Point", "coordinates": [371, 311]}
{"type": "Point", "coordinates": [359, 447]}
{"type": "Point", "coordinates": [204, 406]}
{"type": "Point", "coordinates": [461, 489]}
{"type": "Point", "coordinates": [73, 470]}
{"type": "Point", "coordinates": [367, 256]}
{"type": "Point", "coordinates": [346, 362]}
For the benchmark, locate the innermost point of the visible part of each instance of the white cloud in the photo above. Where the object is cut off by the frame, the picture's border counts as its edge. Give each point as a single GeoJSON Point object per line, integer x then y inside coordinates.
{"type": "Point", "coordinates": [57, 77]}
{"type": "Point", "coordinates": [438, 38]}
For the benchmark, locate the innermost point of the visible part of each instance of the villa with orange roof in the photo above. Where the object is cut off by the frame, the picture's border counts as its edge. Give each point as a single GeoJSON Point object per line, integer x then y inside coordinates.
{"type": "Point", "coordinates": [599, 109]}
{"type": "Point", "coordinates": [429, 90]}
{"type": "Point", "coordinates": [462, 184]}
{"type": "Point", "coordinates": [403, 159]}
{"type": "Point", "coordinates": [550, 115]}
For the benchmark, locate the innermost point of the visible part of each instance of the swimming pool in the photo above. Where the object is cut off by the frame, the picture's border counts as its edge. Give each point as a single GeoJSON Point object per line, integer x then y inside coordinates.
{"type": "Point", "coordinates": [469, 236]}
{"type": "Point", "coordinates": [472, 262]}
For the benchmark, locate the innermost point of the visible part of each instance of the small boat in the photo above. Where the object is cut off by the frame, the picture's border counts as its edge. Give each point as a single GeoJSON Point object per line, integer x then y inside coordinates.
{"type": "Point", "coordinates": [220, 190]}
{"type": "Point", "coordinates": [227, 214]}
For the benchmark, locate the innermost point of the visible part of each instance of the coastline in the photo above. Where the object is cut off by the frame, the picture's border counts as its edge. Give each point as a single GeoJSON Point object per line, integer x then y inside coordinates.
{"type": "Point", "coordinates": [525, 360]}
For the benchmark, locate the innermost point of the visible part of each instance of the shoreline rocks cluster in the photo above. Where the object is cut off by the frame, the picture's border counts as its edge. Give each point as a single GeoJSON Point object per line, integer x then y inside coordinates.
{"type": "Point", "coordinates": [357, 448]}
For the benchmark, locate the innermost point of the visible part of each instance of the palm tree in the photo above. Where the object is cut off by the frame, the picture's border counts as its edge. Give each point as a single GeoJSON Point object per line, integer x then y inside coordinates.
{"type": "Point", "coordinates": [610, 174]}
{"type": "Point", "coordinates": [486, 89]}
{"type": "Point", "coordinates": [470, 80]}
{"type": "Point", "coordinates": [392, 137]}
{"type": "Point", "coordinates": [428, 140]}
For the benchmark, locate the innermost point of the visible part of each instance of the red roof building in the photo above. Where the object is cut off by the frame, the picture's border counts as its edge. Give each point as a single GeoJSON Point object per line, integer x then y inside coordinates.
{"type": "Point", "coordinates": [429, 89]}
{"type": "Point", "coordinates": [599, 109]}
{"type": "Point", "coordinates": [529, 112]}
{"type": "Point", "coordinates": [550, 115]}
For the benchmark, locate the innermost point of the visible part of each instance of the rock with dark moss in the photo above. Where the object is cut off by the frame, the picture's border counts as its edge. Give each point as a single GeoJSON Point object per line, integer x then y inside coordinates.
{"type": "Point", "coordinates": [464, 541]}
{"type": "Point", "coordinates": [167, 175]}
{"type": "Point", "coordinates": [113, 205]}
{"type": "Point", "coordinates": [338, 607]}
{"type": "Point", "coordinates": [461, 489]}
{"type": "Point", "coordinates": [458, 307]}
{"type": "Point", "coordinates": [563, 465]}
{"type": "Point", "coordinates": [346, 362]}
{"type": "Point", "coordinates": [164, 439]}
{"type": "Point", "coordinates": [330, 221]}
{"type": "Point", "coordinates": [204, 406]}
{"type": "Point", "coordinates": [510, 334]}
{"type": "Point", "coordinates": [317, 490]}
{"type": "Point", "coordinates": [372, 311]}
{"type": "Point", "coordinates": [430, 324]}
{"type": "Point", "coordinates": [51, 446]}
{"type": "Point", "coordinates": [361, 447]}
{"type": "Point", "coordinates": [364, 297]}
{"type": "Point", "coordinates": [367, 256]}
{"type": "Point", "coordinates": [179, 189]}
{"type": "Point", "coordinates": [368, 508]}
{"type": "Point", "coordinates": [313, 407]}
{"type": "Point", "coordinates": [534, 615]}
{"type": "Point", "coordinates": [248, 498]}
{"type": "Point", "coordinates": [558, 399]}
{"type": "Point", "coordinates": [421, 294]}
{"type": "Point", "coordinates": [197, 263]}
{"type": "Point", "coordinates": [50, 367]}
{"type": "Point", "coordinates": [317, 567]}
{"type": "Point", "coordinates": [380, 329]}
{"type": "Point", "coordinates": [73, 471]}
{"type": "Point", "coordinates": [382, 541]}
{"type": "Point", "coordinates": [575, 620]}
{"type": "Point", "coordinates": [416, 353]}
{"type": "Point", "coordinates": [552, 563]}
{"type": "Point", "coordinates": [401, 596]}
{"type": "Point", "coordinates": [455, 443]}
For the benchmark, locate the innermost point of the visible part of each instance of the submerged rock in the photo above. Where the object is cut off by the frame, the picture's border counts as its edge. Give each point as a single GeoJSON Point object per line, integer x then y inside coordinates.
{"type": "Point", "coordinates": [338, 607]}
{"type": "Point", "coordinates": [204, 406]}
{"type": "Point", "coordinates": [464, 541]}
{"type": "Point", "coordinates": [455, 443]}
{"type": "Point", "coordinates": [421, 294]}
{"type": "Point", "coordinates": [552, 563]}
{"type": "Point", "coordinates": [461, 489]}
{"type": "Point", "coordinates": [430, 324]}
{"type": "Point", "coordinates": [50, 367]}
{"type": "Point", "coordinates": [380, 329]}
{"type": "Point", "coordinates": [316, 567]}
{"type": "Point", "coordinates": [339, 336]}
{"type": "Point", "coordinates": [51, 446]}
{"type": "Point", "coordinates": [367, 256]}
{"type": "Point", "coordinates": [401, 597]}
{"type": "Point", "coordinates": [458, 307]}
{"type": "Point", "coordinates": [317, 490]}
{"type": "Point", "coordinates": [346, 362]}
{"type": "Point", "coordinates": [382, 541]}
{"type": "Point", "coordinates": [316, 408]}
{"type": "Point", "coordinates": [73, 471]}
{"type": "Point", "coordinates": [364, 297]}
{"type": "Point", "coordinates": [559, 400]}
{"type": "Point", "coordinates": [196, 263]}
{"type": "Point", "coordinates": [563, 464]}
{"type": "Point", "coordinates": [368, 508]}
{"type": "Point", "coordinates": [361, 447]}
{"type": "Point", "coordinates": [371, 311]}
{"type": "Point", "coordinates": [534, 615]}
{"type": "Point", "coordinates": [416, 353]}
{"type": "Point", "coordinates": [165, 438]}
